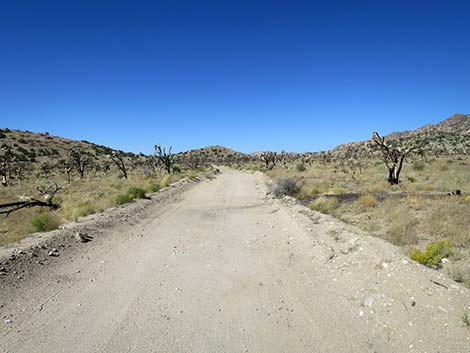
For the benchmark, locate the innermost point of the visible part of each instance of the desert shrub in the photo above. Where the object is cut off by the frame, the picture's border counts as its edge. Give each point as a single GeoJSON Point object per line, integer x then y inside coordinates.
{"type": "Point", "coordinates": [411, 179]}
{"type": "Point", "coordinates": [419, 165]}
{"type": "Point", "coordinates": [153, 187]}
{"type": "Point", "coordinates": [403, 228]}
{"type": "Point", "coordinates": [325, 204]}
{"type": "Point", "coordinates": [315, 191]}
{"type": "Point", "coordinates": [165, 181]}
{"type": "Point", "coordinates": [287, 186]}
{"type": "Point", "coordinates": [176, 169]}
{"type": "Point", "coordinates": [131, 194]}
{"type": "Point", "coordinates": [45, 222]}
{"type": "Point", "coordinates": [434, 253]}
{"type": "Point", "coordinates": [136, 193]}
{"type": "Point", "coordinates": [123, 199]}
{"type": "Point", "coordinates": [367, 201]}
{"type": "Point", "coordinates": [83, 209]}
{"type": "Point", "coordinates": [300, 167]}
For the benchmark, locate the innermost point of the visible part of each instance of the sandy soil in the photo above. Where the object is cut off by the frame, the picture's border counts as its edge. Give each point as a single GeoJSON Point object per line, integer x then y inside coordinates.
{"type": "Point", "coordinates": [222, 266]}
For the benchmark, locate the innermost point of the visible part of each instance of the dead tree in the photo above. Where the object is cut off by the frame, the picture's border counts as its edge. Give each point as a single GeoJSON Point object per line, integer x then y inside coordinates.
{"type": "Point", "coordinates": [192, 162]}
{"type": "Point", "coordinates": [7, 162]}
{"type": "Point", "coordinates": [79, 160]}
{"type": "Point", "coordinates": [47, 194]}
{"type": "Point", "coordinates": [393, 157]}
{"type": "Point", "coordinates": [355, 159]}
{"type": "Point", "coordinates": [118, 158]}
{"type": "Point", "coordinates": [269, 158]}
{"type": "Point", "coordinates": [164, 157]}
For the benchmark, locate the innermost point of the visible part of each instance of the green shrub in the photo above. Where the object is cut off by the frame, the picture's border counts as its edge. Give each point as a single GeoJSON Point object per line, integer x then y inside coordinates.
{"type": "Point", "coordinates": [153, 187]}
{"type": "Point", "coordinates": [300, 167]}
{"type": "Point", "coordinates": [123, 199]}
{"type": "Point", "coordinates": [325, 204]}
{"type": "Point", "coordinates": [136, 193]}
{"type": "Point", "coordinates": [45, 222]}
{"type": "Point", "coordinates": [412, 179]}
{"type": "Point", "coordinates": [315, 191]}
{"type": "Point", "coordinates": [176, 169]}
{"type": "Point", "coordinates": [132, 194]}
{"type": "Point", "coordinates": [434, 253]}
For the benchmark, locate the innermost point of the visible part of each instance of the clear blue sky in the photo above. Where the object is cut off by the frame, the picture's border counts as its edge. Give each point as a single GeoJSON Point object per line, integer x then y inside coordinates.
{"type": "Point", "coordinates": [250, 75]}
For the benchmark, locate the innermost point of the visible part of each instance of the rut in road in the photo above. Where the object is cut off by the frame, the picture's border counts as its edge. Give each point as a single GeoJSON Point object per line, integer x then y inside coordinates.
{"type": "Point", "coordinates": [228, 268]}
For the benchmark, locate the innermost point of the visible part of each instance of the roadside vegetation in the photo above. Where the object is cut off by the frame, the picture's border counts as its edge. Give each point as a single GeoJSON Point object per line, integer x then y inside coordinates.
{"type": "Point", "coordinates": [426, 213]}
{"type": "Point", "coordinates": [48, 181]}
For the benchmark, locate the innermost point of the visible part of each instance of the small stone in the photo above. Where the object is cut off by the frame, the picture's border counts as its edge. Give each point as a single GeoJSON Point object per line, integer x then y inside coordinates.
{"type": "Point", "coordinates": [368, 301]}
{"type": "Point", "coordinates": [8, 321]}
{"type": "Point", "coordinates": [54, 253]}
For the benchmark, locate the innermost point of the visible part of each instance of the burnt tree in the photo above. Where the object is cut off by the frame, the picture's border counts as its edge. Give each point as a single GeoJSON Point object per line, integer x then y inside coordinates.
{"type": "Point", "coordinates": [164, 157]}
{"type": "Point", "coordinates": [393, 157]}
{"type": "Point", "coordinates": [79, 160]}
{"type": "Point", "coordinates": [7, 162]}
{"type": "Point", "coordinates": [47, 194]}
{"type": "Point", "coordinates": [118, 158]}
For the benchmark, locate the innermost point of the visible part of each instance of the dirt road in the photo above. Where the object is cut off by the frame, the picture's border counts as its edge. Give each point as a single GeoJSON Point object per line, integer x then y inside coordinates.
{"type": "Point", "coordinates": [227, 268]}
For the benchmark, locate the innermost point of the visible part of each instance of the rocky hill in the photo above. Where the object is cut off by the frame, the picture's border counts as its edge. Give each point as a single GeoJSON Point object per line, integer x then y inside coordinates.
{"type": "Point", "coordinates": [40, 147]}
{"type": "Point", "coordinates": [217, 155]}
{"type": "Point", "coordinates": [449, 137]}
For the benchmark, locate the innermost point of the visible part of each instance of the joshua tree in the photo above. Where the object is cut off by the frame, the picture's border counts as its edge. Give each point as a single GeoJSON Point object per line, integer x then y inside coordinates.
{"type": "Point", "coordinates": [269, 158]}
{"type": "Point", "coordinates": [7, 162]}
{"type": "Point", "coordinates": [393, 157]}
{"type": "Point", "coordinates": [118, 158]}
{"type": "Point", "coordinates": [355, 159]}
{"type": "Point", "coordinates": [79, 160]}
{"type": "Point", "coordinates": [192, 162]}
{"type": "Point", "coordinates": [164, 157]}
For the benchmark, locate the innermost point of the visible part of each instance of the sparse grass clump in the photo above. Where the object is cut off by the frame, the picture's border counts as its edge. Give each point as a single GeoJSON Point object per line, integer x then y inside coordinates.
{"type": "Point", "coordinates": [166, 180]}
{"type": "Point", "coordinates": [367, 201]}
{"type": "Point", "coordinates": [434, 253]}
{"type": "Point", "coordinates": [45, 222]}
{"type": "Point", "coordinates": [419, 165]}
{"type": "Point", "coordinates": [457, 274]}
{"type": "Point", "coordinates": [300, 167]}
{"type": "Point", "coordinates": [466, 319]}
{"type": "Point", "coordinates": [83, 209]}
{"type": "Point", "coordinates": [403, 229]}
{"type": "Point", "coordinates": [154, 187]}
{"type": "Point", "coordinates": [325, 205]}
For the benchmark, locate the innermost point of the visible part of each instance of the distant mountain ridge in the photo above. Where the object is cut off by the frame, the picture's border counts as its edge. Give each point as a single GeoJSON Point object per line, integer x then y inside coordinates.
{"type": "Point", "coordinates": [448, 137]}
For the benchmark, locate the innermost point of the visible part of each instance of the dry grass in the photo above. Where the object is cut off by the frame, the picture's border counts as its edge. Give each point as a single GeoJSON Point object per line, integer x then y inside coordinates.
{"type": "Point", "coordinates": [79, 199]}
{"type": "Point", "coordinates": [368, 201]}
{"type": "Point", "coordinates": [325, 205]}
{"type": "Point", "coordinates": [423, 217]}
